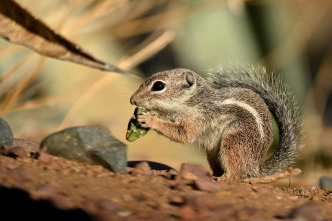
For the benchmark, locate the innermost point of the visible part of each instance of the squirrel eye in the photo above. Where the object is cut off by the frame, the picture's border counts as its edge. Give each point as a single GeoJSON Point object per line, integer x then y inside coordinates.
{"type": "Point", "coordinates": [158, 86]}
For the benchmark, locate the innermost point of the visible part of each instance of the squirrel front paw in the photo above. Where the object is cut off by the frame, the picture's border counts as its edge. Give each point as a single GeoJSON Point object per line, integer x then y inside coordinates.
{"type": "Point", "coordinates": [146, 120]}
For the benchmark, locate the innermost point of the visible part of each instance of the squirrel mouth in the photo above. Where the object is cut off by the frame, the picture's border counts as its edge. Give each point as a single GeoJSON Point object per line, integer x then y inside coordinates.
{"type": "Point", "coordinates": [153, 112]}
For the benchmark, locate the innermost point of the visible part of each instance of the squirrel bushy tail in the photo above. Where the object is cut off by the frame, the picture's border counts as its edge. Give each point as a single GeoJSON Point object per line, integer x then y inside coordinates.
{"type": "Point", "coordinates": [281, 103]}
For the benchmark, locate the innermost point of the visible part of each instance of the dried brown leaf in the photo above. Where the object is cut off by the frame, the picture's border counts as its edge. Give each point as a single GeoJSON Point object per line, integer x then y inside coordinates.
{"type": "Point", "coordinates": [18, 26]}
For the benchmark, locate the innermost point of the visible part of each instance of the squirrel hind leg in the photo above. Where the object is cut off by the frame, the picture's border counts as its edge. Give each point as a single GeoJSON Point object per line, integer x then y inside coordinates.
{"type": "Point", "coordinates": [225, 162]}
{"type": "Point", "coordinates": [213, 157]}
{"type": "Point", "coordinates": [239, 158]}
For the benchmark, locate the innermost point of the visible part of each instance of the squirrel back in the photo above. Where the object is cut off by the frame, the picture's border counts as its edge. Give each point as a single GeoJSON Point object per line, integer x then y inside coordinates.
{"type": "Point", "coordinates": [281, 103]}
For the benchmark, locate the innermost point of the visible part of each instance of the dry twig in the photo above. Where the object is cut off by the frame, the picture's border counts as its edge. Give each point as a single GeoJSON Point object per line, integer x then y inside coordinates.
{"type": "Point", "coordinates": [291, 172]}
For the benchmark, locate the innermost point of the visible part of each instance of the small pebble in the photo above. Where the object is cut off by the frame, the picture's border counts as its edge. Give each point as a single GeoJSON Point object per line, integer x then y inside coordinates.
{"type": "Point", "coordinates": [207, 186]}
{"type": "Point", "coordinates": [29, 145]}
{"type": "Point", "coordinates": [325, 183]}
{"type": "Point", "coordinates": [176, 200]}
{"type": "Point", "coordinates": [308, 211]}
{"type": "Point", "coordinates": [187, 213]}
{"type": "Point", "coordinates": [44, 157]}
{"type": "Point", "coordinates": [193, 172]}
{"type": "Point", "coordinates": [14, 151]}
{"type": "Point", "coordinates": [153, 165]}
{"type": "Point", "coordinates": [45, 192]}
{"type": "Point", "coordinates": [142, 168]}
{"type": "Point", "coordinates": [6, 134]}
{"type": "Point", "coordinates": [11, 166]}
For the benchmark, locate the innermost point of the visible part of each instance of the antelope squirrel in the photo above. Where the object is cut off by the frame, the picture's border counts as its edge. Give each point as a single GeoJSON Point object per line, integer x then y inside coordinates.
{"type": "Point", "coordinates": [229, 114]}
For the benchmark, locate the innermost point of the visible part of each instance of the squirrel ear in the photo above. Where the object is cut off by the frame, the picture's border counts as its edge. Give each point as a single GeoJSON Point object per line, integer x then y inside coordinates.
{"type": "Point", "coordinates": [189, 78]}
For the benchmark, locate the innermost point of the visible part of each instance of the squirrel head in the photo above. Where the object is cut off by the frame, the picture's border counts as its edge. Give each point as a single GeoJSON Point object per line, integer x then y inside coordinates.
{"type": "Point", "coordinates": [165, 91]}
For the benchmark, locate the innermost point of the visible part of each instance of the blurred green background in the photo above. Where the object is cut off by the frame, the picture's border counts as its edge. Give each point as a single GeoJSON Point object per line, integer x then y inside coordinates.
{"type": "Point", "coordinates": [41, 95]}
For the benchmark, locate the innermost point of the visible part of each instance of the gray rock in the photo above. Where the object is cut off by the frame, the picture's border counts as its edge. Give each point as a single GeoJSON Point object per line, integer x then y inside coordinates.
{"type": "Point", "coordinates": [90, 144]}
{"type": "Point", "coordinates": [325, 183]}
{"type": "Point", "coordinates": [6, 134]}
{"type": "Point", "coordinates": [113, 152]}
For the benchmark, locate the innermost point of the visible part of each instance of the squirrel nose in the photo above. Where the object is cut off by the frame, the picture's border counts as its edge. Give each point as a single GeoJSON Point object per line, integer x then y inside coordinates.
{"type": "Point", "coordinates": [132, 100]}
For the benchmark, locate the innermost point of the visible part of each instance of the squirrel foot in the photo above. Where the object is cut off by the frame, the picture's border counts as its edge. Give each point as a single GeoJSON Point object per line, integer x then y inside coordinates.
{"type": "Point", "coordinates": [224, 179]}
{"type": "Point", "coordinates": [219, 178]}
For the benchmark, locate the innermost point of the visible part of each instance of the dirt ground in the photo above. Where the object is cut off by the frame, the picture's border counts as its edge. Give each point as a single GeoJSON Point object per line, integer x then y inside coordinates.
{"type": "Point", "coordinates": [45, 187]}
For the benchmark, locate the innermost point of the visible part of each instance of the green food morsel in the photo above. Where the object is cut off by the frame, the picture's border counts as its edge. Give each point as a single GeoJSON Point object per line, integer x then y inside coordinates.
{"type": "Point", "coordinates": [134, 130]}
{"type": "Point", "coordinates": [132, 137]}
{"type": "Point", "coordinates": [140, 110]}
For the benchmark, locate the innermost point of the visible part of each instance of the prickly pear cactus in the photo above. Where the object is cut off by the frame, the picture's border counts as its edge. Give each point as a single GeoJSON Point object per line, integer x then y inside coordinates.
{"type": "Point", "coordinates": [134, 130]}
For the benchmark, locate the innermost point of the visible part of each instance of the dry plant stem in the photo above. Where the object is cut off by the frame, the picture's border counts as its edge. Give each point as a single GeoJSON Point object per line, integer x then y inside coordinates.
{"type": "Point", "coordinates": [95, 13]}
{"type": "Point", "coordinates": [301, 34]}
{"type": "Point", "coordinates": [65, 18]}
{"type": "Point", "coordinates": [14, 68]}
{"type": "Point", "coordinates": [84, 98]}
{"type": "Point", "coordinates": [11, 98]}
{"type": "Point", "coordinates": [35, 34]}
{"type": "Point", "coordinates": [134, 60]}
{"type": "Point", "coordinates": [9, 51]}
{"type": "Point", "coordinates": [127, 63]}
{"type": "Point", "coordinates": [153, 22]}
{"type": "Point", "coordinates": [150, 24]}
{"type": "Point", "coordinates": [145, 53]}
{"type": "Point", "coordinates": [297, 35]}
{"type": "Point", "coordinates": [131, 61]}
{"type": "Point", "coordinates": [53, 99]}
{"type": "Point", "coordinates": [98, 13]}
{"type": "Point", "coordinates": [154, 35]}
{"type": "Point", "coordinates": [321, 86]}
{"type": "Point", "coordinates": [291, 172]}
{"type": "Point", "coordinates": [119, 17]}
{"type": "Point", "coordinates": [318, 92]}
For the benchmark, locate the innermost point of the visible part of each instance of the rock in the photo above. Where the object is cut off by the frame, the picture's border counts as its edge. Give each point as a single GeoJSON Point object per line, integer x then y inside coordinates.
{"type": "Point", "coordinates": [45, 192]}
{"type": "Point", "coordinates": [44, 157]}
{"type": "Point", "coordinates": [193, 172]}
{"type": "Point", "coordinates": [153, 165]}
{"type": "Point", "coordinates": [325, 183]}
{"type": "Point", "coordinates": [89, 144]}
{"type": "Point", "coordinates": [29, 145]}
{"type": "Point", "coordinates": [73, 143]}
{"type": "Point", "coordinates": [142, 168]}
{"type": "Point", "coordinates": [198, 201]}
{"type": "Point", "coordinates": [11, 166]}
{"type": "Point", "coordinates": [188, 213]}
{"type": "Point", "coordinates": [176, 200]}
{"type": "Point", "coordinates": [198, 177]}
{"type": "Point", "coordinates": [20, 148]}
{"type": "Point", "coordinates": [171, 175]}
{"type": "Point", "coordinates": [308, 211]}
{"type": "Point", "coordinates": [207, 185]}
{"type": "Point", "coordinates": [198, 206]}
{"type": "Point", "coordinates": [176, 184]}
{"type": "Point", "coordinates": [6, 134]}
{"type": "Point", "coordinates": [113, 152]}
{"type": "Point", "coordinates": [14, 151]}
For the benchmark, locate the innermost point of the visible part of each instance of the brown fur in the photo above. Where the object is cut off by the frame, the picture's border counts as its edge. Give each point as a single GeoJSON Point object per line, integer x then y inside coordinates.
{"type": "Point", "coordinates": [232, 124]}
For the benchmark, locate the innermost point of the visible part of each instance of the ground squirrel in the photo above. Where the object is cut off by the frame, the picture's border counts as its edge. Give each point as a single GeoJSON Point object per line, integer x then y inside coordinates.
{"type": "Point", "coordinates": [229, 114]}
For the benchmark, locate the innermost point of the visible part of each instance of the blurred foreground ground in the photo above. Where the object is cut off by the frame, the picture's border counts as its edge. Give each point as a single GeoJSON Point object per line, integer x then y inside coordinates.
{"type": "Point", "coordinates": [52, 188]}
{"type": "Point", "coordinates": [40, 95]}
